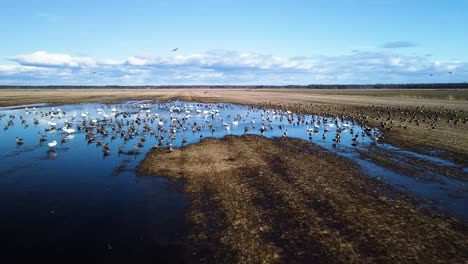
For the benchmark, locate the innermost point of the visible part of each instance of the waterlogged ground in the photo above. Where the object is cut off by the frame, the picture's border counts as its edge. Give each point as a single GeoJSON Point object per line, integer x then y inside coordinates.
{"type": "Point", "coordinates": [83, 197]}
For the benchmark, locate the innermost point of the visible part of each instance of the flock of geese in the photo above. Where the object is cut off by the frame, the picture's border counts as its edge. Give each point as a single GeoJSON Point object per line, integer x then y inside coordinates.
{"type": "Point", "coordinates": [163, 124]}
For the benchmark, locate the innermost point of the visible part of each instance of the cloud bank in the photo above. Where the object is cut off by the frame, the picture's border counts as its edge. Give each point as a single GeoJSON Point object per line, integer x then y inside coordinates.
{"type": "Point", "coordinates": [398, 44]}
{"type": "Point", "coordinates": [230, 67]}
{"type": "Point", "coordinates": [44, 59]}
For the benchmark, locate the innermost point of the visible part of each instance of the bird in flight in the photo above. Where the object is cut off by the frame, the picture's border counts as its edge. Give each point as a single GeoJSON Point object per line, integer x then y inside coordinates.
{"type": "Point", "coordinates": [450, 72]}
{"type": "Point", "coordinates": [175, 49]}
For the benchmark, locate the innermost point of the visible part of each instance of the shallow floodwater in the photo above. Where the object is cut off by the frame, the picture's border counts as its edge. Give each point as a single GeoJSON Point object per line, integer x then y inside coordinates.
{"type": "Point", "coordinates": [80, 198]}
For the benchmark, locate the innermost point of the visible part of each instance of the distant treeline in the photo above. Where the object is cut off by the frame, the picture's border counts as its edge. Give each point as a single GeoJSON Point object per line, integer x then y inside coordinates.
{"type": "Point", "coordinates": [310, 86]}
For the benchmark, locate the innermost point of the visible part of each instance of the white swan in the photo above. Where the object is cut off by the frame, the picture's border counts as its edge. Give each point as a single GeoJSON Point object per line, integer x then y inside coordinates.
{"type": "Point", "coordinates": [68, 130]}
{"type": "Point", "coordinates": [52, 144]}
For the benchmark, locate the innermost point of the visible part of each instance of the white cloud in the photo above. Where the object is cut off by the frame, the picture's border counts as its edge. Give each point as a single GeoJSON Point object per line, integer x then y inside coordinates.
{"type": "Point", "coordinates": [231, 67]}
{"type": "Point", "coordinates": [15, 69]}
{"type": "Point", "coordinates": [222, 59]}
{"type": "Point", "coordinates": [109, 62]}
{"type": "Point", "coordinates": [44, 59]}
{"type": "Point", "coordinates": [139, 61]}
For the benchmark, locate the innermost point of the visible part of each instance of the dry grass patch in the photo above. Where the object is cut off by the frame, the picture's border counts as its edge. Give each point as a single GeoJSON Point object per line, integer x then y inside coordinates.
{"type": "Point", "coordinates": [258, 200]}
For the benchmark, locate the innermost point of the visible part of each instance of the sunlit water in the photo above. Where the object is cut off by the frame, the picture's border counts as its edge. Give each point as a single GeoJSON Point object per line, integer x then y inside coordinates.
{"type": "Point", "coordinates": [80, 198]}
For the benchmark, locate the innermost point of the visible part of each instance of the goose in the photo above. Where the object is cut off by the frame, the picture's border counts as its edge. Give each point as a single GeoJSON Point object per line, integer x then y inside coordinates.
{"type": "Point", "coordinates": [52, 144]}
{"type": "Point", "coordinates": [19, 141]}
{"type": "Point", "coordinates": [137, 148]}
{"type": "Point", "coordinates": [316, 128]}
{"type": "Point", "coordinates": [42, 138]}
{"type": "Point", "coordinates": [106, 151]}
{"type": "Point", "coordinates": [68, 130]}
{"type": "Point", "coordinates": [52, 124]}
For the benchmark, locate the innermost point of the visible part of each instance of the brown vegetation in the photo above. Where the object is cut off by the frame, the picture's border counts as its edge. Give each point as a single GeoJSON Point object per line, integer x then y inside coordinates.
{"type": "Point", "coordinates": [285, 200]}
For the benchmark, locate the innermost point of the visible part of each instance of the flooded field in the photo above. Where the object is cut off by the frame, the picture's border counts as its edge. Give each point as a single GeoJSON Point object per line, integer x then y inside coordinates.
{"type": "Point", "coordinates": [68, 173]}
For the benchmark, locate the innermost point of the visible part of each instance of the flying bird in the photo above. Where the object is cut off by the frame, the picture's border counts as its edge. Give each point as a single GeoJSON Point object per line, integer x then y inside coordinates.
{"type": "Point", "coordinates": [450, 72]}
{"type": "Point", "coordinates": [175, 49]}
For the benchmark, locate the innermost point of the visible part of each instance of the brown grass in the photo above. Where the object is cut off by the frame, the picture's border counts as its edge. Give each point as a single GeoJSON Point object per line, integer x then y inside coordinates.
{"type": "Point", "coordinates": [257, 200]}
{"type": "Point", "coordinates": [444, 98]}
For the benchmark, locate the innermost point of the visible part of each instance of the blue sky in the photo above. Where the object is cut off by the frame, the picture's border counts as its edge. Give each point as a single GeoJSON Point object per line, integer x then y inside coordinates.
{"type": "Point", "coordinates": [232, 42]}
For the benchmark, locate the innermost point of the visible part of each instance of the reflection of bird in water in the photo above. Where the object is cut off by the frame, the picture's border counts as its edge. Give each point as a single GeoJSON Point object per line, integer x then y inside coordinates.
{"type": "Point", "coordinates": [121, 149]}
{"type": "Point", "coordinates": [52, 154]}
